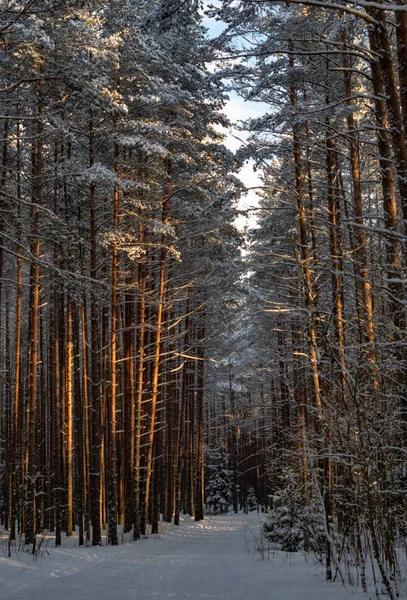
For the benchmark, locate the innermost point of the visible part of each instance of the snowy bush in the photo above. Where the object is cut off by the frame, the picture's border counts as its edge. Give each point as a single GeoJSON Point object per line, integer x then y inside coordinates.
{"type": "Point", "coordinates": [294, 528]}
{"type": "Point", "coordinates": [313, 526]}
{"type": "Point", "coordinates": [283, 529]}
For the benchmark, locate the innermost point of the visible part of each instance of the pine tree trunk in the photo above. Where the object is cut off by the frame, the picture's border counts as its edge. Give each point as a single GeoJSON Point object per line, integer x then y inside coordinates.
{"type": "Point", "coordinates": [181, 426]}
{"type": "Point", "coordinates": [96, 475]}
{"type": "Point", "coordinates": [16, 450]}
{"type": "Point", "coordinates": [304, 256]}
{"type": "Point", "coordinates": [157, 343]}
{"type": "Point", "coordinates": [129, 408]}
{"type": "Point", "coordinates": [141, 343]}
{"type": "Point", "coordinates": [86, 392]}
{"type": "Point", "coordinates": [69, 416]}
{"type": "Point", "coordinates": [112, 481]}
{"type": "Point", "coordinates": [32, 449]}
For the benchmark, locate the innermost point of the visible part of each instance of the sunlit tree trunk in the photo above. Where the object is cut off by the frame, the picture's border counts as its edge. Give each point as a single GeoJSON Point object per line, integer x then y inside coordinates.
{"type": "Point", "coordinates": [112, 481]}
{"type": "Point", "coordinates": [200, 382]}
{"type": "Point", "coordinates": [69, 416]}
{"type": "Point", "coordinates": [141, 340]}
{"type": "Point", "coordinates": [157, 342]}
{"type": "Point", "coordinates": [129, 406]}
{"type": "Point", "coordinates": [86, 393]}
{"type": "Point", "coordinates": [95, 478]}
{"type": "Point", "coordinates": [181, 426]}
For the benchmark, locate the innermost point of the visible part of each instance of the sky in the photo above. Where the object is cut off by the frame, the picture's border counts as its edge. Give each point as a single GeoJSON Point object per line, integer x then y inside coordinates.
{"type": "Point", "coordinates": [236, 110]}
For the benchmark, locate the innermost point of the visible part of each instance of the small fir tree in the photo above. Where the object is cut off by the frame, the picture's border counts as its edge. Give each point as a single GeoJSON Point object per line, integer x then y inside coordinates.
{"type": "Point", "coordinates": [251, 500]}
{"type": "Point", "coordinates": [219, 491]}
{"type": "Point", "coordinates": [283, 528]}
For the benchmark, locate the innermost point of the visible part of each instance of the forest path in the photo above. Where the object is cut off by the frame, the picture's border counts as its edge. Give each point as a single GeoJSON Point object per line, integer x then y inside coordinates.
{"type": "Point", "coordinates": [199, 561]}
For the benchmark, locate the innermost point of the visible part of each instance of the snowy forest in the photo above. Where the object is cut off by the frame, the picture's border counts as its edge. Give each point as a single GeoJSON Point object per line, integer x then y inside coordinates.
{"type": "Point", "coordinates": [159, 360]}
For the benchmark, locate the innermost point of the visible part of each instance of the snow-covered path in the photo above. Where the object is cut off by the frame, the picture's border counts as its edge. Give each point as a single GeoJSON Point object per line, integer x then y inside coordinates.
{"type": "Point", "coordinates": [198, 561]}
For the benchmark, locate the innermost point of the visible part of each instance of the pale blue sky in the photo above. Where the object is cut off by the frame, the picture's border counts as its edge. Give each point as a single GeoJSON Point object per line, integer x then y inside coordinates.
{"type": "Point", "coordinates": [238, 110]}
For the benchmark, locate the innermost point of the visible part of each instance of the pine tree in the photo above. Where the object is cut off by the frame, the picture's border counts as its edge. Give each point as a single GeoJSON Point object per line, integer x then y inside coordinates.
{"type": "Point", "coordinates": [251, 499]}
{"type": "Point", "coordinates": [219, 489]}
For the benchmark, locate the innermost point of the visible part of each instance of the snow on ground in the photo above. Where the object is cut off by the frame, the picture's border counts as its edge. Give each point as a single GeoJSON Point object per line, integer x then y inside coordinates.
{"type": "Point", "coordinates": [207, 560]}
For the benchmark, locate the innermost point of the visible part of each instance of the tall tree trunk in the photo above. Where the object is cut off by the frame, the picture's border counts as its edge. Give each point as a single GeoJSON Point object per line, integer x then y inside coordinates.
{"type": "Point", "coordinates": [16, 449]}
{"type": "Point", "coordinates": [69, 416]}
{"type": "Point", "coordinates": [32, 461]}
{"type": "Point", "coordinates": [337, 261]}
{"type": "Point", "coordinates": [157, 343]}
{"type": "Point", "coordinates": [80, 425]}
{"type": "Point", "coordinates": [199, 478]}
{"type": "Point", "coordinates": [86, 392]}
{"type": "Point", "coordinates": [96, 475]}
{"type": "Point", "coordinates": [112, 493]}
{"type": "Point", "coordinates": [129, 405]}
{"type": "Point", "coordinates": [304, 254]}
{"type": "Point", "coordinates": [381, 48]}
{"type": "Point", "coordinates": [181, 426]}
